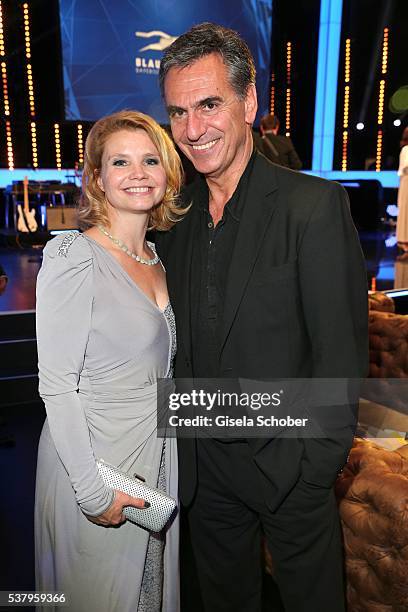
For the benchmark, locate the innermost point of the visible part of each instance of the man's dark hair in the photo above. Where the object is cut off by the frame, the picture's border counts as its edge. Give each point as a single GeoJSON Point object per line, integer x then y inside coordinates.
{"type": "Point", "coordinates": [207, 38]}
{"type": "Point", "coordinates": [269, 122]}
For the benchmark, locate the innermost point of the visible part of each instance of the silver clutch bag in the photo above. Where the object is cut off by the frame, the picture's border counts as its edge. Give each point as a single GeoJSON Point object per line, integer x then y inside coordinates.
{"type": "Point", "coordinates": [161, 505]}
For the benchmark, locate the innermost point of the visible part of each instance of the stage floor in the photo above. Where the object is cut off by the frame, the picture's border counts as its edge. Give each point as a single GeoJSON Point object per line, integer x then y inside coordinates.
{"type": "Point", "coordinates": [379, 247]}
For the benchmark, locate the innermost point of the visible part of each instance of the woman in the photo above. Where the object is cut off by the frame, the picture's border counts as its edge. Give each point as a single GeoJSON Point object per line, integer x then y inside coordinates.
{"type": "Point", "coordinates": [402, 220]}
{"type": "Point", "coordinates": [105, 332]}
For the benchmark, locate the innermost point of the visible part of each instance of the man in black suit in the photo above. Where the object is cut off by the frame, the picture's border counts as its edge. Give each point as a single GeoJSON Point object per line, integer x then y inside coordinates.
{"type": "Point", "coordinates": [267, 280]}
{"type": "Point", "coordinates": [279, 149]}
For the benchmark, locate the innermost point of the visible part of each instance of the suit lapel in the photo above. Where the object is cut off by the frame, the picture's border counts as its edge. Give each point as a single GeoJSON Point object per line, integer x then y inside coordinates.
{"type": "Point", "coordinates": [183, 274]}
{"type": "Point", "coordinates": [257, 213]}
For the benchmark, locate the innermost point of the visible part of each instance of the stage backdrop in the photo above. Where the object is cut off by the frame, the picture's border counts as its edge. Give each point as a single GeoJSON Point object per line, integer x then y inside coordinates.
{"type": "Point", "coordinates": [112, 50]}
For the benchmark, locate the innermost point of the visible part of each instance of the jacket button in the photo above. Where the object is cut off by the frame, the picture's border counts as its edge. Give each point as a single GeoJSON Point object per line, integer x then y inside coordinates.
{"type": "Point", "coordinates": [188, 363]}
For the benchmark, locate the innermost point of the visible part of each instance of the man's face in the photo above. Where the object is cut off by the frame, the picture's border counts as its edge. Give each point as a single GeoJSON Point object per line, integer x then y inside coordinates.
{"type": "Point", "coordinates": [210, 124]}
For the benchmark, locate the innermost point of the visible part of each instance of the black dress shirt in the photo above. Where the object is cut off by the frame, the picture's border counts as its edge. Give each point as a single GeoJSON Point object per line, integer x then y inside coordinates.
{"type": "Point", "coordinates": [212, 254]}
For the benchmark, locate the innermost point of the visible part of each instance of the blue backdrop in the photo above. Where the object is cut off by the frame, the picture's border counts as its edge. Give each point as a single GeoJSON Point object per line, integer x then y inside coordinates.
{"type": "Point", "coordinates": [112, 49]}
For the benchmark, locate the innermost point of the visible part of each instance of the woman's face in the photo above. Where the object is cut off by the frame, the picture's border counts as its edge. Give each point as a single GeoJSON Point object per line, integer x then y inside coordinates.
{"type": "Point", "coordinates": [131, 174]}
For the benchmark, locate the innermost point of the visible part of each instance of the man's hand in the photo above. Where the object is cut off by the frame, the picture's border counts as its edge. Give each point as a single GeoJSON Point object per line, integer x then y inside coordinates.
{"type": "Point", "coordinates": [114, 514]}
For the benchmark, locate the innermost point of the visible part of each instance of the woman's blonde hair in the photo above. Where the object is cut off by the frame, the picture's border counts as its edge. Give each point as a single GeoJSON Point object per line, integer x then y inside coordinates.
{"type": "Point", "coordinates": [93, 207]}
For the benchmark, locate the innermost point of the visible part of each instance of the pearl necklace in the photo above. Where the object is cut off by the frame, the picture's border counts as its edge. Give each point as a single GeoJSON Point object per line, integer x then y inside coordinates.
{"type": "Point", "coordinates": [125, 249]}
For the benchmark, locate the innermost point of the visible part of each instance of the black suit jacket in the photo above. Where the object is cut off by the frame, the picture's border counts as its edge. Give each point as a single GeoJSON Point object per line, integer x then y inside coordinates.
{"type": "Point", "coordinates": [295, 307]}
{"type": "Point", "coordinates": [281, 152]}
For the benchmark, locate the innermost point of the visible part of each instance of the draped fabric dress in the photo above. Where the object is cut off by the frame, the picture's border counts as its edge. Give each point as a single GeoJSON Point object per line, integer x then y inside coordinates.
{"type": "Point", "coordinates": [102, 345]}
{"type": "Point", "coordinates": [402, 220]}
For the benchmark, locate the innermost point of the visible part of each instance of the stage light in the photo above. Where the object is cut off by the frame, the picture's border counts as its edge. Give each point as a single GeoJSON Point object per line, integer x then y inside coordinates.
{"type": "Point", "coordinates": [80, 144]}
{"type": "Point", "coordinates": [30, 85]}
{"type": "Point", "coordinates": [288, 61]}
{"type": "Point", "coordinates": [360, 126]}
{"type": "Point", "coordinates": [57, 141]}
{"type": "Point", "coordinates": [381, 95]}
{"type": "Point", "coordinates": [397, 122]}
{"type": "Point", "coordinates": [10, 156]}
{"type": "Point", "coordinates": [344, 151]}
{"type": "Point", "coordinates": [288, 86]}
{"type": "Point", "coordinates": [384, 60]}
{"type": "Point", "coordinates": [381, 98]}
{"type": "Point", "coordinates": [273, 93]}
{"type": "Point", "coordinates": [347, 63]}
{"type": "Point", "coordinates": [346, 105]}
{"type": "Point", "coordinates": [2, 50]}
{"type": "Point", "coordinates": [399, 101]}
{"type": "Point", "coordinates": [392, 210]}
{"type": "Point", "coordinates": [6, 100]}
{"type": "Point", "coordinates": [378, 156]}
{"type": "Point", "coordinates": [29, 71]}
{"type": "Point", "coordinates": [33, 128]}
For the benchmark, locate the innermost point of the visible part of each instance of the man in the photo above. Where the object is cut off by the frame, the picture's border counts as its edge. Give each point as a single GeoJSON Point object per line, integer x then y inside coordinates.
{"type": "Point", "coordinates": [267, 280]}
{"type": "Point", "coordinates": [3, 280]}
{"type": "Point", "coordinates": [279, 149]}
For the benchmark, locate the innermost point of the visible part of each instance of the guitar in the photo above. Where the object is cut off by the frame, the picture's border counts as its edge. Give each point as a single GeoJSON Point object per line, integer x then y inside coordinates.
{"type": "Point", "coordinates": [26, 218]}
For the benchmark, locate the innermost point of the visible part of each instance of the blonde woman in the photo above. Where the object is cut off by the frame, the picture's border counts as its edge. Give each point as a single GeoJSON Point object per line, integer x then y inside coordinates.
{"type": "Point", "coordinates": [106, 333]}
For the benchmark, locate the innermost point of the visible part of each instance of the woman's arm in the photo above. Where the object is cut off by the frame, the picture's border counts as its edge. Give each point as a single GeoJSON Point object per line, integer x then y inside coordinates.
{"type": "Point", "coordinates": [64, 307]}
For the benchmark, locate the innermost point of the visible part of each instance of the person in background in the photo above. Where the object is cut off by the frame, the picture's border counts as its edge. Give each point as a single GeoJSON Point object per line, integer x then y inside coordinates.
{"type": "Point", "coordinates": [279, 149]}
{"type": "Point", "coordinates": [3, 280]}
{"type": "Point", "coordinates": [268, 281]}
{"type": "Point", "coordinates": [106, 333]}
{"type": "Point", "coordinates": [402, 219]}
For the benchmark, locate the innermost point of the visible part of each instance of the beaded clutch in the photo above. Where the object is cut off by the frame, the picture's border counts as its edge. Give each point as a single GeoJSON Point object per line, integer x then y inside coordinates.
{"type": "Point", "coordinates": [161, 505]}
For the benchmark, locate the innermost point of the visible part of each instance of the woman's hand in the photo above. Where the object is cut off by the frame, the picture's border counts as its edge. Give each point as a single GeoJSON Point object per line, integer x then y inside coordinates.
{"type": "Point", "coordinates": [114, 514]}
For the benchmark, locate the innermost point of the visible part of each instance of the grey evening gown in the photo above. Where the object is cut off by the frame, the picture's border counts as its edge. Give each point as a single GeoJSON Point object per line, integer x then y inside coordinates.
{"type": "Point", "coordinates": [102, 344]}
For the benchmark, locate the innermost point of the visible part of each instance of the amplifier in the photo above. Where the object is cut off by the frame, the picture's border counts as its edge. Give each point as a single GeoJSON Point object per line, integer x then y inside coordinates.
{"type": "Point", "coordinates": [62, 217]}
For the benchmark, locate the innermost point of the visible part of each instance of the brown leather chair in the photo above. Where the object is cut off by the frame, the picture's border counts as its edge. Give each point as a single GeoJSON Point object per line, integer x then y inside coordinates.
{"type": "Point", "coordinates": [388, 342]}
{"type": "Point", "coordinates": [380, 302]}
{"type": "Point", "coordinates": [388, 337]}
{"type": "Point", "coordinates": [372, 492]}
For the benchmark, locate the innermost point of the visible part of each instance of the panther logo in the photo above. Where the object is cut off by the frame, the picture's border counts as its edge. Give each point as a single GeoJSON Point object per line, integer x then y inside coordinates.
{"type": "Point", "coordinates": [165, 40]}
